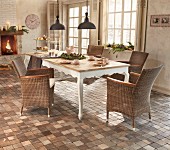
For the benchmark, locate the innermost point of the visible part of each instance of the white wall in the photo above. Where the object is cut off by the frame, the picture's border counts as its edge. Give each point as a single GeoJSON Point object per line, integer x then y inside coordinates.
{"type": "Point", "coordinates": [158, 45]}
{"type": "Point", "coordinates": [25, 8]}
{"type": "Point", "coordinates": [7, 12]}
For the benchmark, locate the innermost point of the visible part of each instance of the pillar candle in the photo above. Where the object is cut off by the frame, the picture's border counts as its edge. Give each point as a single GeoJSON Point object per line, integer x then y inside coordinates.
{"type": "Point", "coordinates": [19, 27]}
{"type": "Point", "coordinates": [1, 28]}
{"type": "Point", "coordinates": [8, 25]}
{"type": "Point", "coordinates": [16, 28]}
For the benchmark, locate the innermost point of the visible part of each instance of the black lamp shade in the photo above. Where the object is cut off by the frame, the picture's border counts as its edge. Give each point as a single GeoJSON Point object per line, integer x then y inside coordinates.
{"type": "Point", "coordinates": [57, 25]}
{"type": "Point", "coordinates": [86, 24]}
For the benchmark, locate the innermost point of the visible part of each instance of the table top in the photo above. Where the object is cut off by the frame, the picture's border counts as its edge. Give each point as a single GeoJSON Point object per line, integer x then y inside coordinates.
{"type": "Point", "coordinates": [84, 65]}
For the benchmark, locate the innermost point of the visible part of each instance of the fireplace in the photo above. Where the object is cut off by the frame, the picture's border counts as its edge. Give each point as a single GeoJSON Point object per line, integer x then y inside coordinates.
{"type": "Point", "coordinates": [8, 45]}
{"type": "Point", "coordinates": [10, 42]}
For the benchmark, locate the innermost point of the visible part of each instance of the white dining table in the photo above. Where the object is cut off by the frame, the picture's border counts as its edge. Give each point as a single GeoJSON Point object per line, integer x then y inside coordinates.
{"type": "Point", "coordinates": [86, 69]}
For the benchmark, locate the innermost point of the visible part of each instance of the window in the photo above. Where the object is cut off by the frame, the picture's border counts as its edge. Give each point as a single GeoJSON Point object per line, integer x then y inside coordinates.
{"type": "Point", "coordinates": [78, 38]}
{"type": "Point", "coordinates": [73, 24]}
{"type": "Point", "coordinates": [121, 21]}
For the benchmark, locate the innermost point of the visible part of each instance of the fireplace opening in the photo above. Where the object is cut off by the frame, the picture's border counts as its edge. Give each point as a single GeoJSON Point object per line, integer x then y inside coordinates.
{"type": "Point", "coordinates": [8, 45]}
{"type": "Point", "coordinates": [8, 48]}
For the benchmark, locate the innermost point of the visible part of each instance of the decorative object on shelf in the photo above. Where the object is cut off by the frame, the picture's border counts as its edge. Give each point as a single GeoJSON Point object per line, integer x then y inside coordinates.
{"type": "Point", "coordinates": [44, 38]}
{"type": "Point", "coordinates": [160, 20]}
{"type": "Point", "coordinates": [9, 28]}
{"type": "Point", "coordinates": [72, 56]}
{"type": "Point", "coordinates": [86, 24]}
{"type": "Point", "coordinates": [57, 25]}
{"type": "Point", "coordinates": [120, 47]}
{"type": "Point", "coordinates": [32, 21]}
{"type": "Point", "coordinates": [14, 29]}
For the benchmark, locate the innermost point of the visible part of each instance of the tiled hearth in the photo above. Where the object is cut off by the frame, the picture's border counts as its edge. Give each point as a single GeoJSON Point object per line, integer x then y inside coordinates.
{"type": "Point", "coordinates": [62, 131]}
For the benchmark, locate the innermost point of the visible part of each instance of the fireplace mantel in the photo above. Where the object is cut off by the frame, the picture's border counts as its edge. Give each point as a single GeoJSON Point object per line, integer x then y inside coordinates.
{"type": "Point", "coordinates": [11, 33]}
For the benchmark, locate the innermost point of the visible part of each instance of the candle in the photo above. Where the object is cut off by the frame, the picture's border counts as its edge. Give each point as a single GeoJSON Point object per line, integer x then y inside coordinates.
{"type": "Point", "coordinates": [8, 25]}
{"type": "Point", "coordinates": [1, 28]}
{"type": "Point", "coordinates": [16, 28]}
{"type": "Point", "coordinates": [19, 27]}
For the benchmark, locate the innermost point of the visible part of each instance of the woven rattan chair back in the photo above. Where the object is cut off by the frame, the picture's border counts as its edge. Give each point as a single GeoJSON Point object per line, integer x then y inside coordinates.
{"type": "Point", "coordinates": [95, 50]}
{"type": "Point", "coordinates": [137, 58]}
{"type": "Point", "coordinates": [137, 61]}
{"type": "Point", "coordinates": [145, 82]}
{"type": "Point", "coordinates": [34, 63]}
{"type": "Point", "coordinates": [19, 66]}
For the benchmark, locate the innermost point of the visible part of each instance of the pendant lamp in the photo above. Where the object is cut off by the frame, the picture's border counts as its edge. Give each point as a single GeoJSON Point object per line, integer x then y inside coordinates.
{"type": "Point", "coordinates": [86, 24]}
{"type": "Point", "coordinates": [57, 25]}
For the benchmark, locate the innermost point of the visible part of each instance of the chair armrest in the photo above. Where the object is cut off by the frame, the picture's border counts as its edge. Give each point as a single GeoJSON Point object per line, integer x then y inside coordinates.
{"type": "Point", "coordinates": [35, 76]}
{"type": "Point", "coordinates": [133, 77]}
{"type": "Point", "coordinates": [135, 65]}
{"type": "Point", "coordinates": [121, 83]}
{"type": "Point", "coordinates": [122, 61]}
{"type": "Point", "coordinates": [134, 74]}
{"type": "Point", "coordinates": [41, 71]}
{"type": "Point", "coordinates": [117, 90]}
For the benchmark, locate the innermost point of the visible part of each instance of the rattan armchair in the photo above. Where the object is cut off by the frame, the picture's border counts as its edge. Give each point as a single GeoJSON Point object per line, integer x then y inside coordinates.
{"type": "Point", "coordinates": [131, 99]}
{"type": "Point", "coordinates": [95, 50]}
{"type": "Point", "coordinates": [35, 62]}
{"type": "Point", "coordinates": [136, 62]}
{"type": "Point", "coordinates": [37, 85]}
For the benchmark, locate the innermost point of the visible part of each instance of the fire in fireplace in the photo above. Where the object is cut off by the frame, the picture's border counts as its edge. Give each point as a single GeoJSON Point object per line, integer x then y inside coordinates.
{"type": "Point", "coordinates": [8, 45]}
{"type": "Point", "coordinates": [9, 42]}
{"type": "Point", "coordinates": [8, 48]}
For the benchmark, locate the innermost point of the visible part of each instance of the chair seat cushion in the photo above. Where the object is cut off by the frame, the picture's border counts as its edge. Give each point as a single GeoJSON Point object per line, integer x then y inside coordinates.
{"type": "Point", "coordinates": [52, 82]}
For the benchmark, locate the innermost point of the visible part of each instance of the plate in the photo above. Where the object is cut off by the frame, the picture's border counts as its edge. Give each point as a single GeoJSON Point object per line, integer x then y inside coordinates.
{"type": "Point", "coordinates": [100, 59]}
{"type": "Point", "coordinates": [91, 59]}
{"type": "Point", "coordinates": [100, 64]}
{"type": "Point", "coordinates": [65, 62]}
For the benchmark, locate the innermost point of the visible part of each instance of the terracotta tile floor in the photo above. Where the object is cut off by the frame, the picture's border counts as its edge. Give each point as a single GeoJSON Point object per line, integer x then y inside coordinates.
{"type": "Point", "coordinates": [34, 130]}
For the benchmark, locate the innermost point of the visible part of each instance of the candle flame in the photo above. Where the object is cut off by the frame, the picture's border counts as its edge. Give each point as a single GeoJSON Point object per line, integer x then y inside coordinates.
{"type": "Point", "coordinates": [8, 45]}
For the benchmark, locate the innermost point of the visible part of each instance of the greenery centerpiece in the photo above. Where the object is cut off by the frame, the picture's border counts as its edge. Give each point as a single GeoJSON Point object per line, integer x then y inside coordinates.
{"type": "Point", "coordinates": [120, 47]}
{"type": "Point", "coordinates": [72, 56]}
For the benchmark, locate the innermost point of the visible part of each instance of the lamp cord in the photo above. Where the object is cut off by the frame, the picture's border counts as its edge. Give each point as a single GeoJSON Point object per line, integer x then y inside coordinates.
{"type": "Point", "coordinates": [57, 8]}
{"type": "Point", "coordinates": [87, 5]}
